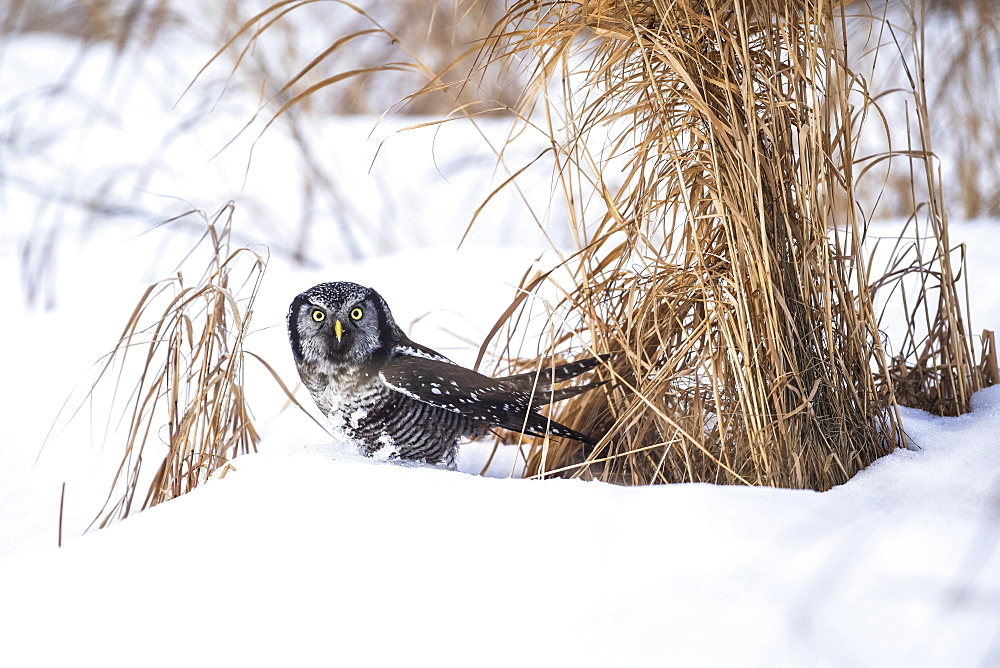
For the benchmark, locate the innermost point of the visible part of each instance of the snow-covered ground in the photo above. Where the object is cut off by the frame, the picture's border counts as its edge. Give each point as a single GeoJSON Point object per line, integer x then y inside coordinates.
{"type": "Point", "coordinates": [305, 554]}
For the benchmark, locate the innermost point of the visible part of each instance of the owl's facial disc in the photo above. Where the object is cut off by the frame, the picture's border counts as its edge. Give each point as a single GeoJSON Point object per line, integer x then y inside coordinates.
{"type": "Point", "coordinates": [345, 339]}
{"type": "Point", "coordinates": [340, 323]}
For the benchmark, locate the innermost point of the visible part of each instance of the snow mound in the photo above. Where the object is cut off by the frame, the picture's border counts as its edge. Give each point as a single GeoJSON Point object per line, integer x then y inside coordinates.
{"type": "Point", "coordinates": [314, 554]}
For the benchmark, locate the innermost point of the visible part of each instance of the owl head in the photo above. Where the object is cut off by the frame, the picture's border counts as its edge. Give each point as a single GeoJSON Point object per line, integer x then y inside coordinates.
{"type": "Point", "coordinates": [340, 323]}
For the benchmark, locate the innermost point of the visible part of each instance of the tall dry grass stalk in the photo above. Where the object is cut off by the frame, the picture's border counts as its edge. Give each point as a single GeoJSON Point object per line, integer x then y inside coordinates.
{"type": "Point", "coordinates": [377, 55]}
{"type": "Point", "coordinates": [934, 366]}
{"type": "Point", "coordinates": [188, 409]}
{"type": "Point", "coordinates": [962, 88]}
{"type": "Point", "coordinates": [725, 275]}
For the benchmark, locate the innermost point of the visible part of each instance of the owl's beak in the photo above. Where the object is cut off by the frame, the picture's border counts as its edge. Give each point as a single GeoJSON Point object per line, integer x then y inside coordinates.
{"type": "Point", "coordinates": [338, 329]}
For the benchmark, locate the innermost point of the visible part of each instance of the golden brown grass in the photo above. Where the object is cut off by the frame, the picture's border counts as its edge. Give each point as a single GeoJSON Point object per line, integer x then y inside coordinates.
{"type": "Point", "coordinates": [934, 365]}
{"type": "Point", "coordinates": [725, 274]}
{"type": "Point", "coordinates": [188, 410]}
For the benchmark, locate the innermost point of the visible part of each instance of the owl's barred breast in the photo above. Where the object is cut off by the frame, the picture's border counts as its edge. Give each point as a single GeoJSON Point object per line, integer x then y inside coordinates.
{"type": "Point", "coordinates": [384, 423]}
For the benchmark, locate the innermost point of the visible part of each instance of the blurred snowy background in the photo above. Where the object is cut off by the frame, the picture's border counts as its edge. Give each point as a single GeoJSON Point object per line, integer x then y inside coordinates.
{"type": "Point", "coordinates": [111, 142]}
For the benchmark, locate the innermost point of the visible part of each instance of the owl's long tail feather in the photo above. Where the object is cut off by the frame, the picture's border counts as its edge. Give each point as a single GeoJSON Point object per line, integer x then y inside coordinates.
{"type": "Point", "coordinates": [546, 376]}
{"type": "Point", "coordinates": [539, 425]}
{"type": "Point", "coordinates": [539, 385]}
{"type": "Point", "coordinates": [542, 398]}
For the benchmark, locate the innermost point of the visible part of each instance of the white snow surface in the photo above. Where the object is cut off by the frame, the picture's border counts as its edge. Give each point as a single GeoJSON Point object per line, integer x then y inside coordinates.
{"type": "Point", "coordinates": [306, 554]}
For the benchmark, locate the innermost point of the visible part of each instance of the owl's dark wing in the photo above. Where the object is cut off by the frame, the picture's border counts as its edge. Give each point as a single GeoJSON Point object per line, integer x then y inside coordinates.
{"type": "Point", "coordinates": [496, 401]}
{"type": "Point", "coordinates": [408, 348]}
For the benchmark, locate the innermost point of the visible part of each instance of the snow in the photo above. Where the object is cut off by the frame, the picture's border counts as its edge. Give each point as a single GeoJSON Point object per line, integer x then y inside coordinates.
{"type": "Point", "coordinates": [306, 553]}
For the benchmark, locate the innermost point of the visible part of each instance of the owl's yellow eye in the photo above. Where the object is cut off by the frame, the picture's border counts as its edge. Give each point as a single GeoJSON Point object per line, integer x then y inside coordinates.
{"type": "Point", "coordinates": [319, 316]}
{"type": "Point", "coordinates": [357, 313]}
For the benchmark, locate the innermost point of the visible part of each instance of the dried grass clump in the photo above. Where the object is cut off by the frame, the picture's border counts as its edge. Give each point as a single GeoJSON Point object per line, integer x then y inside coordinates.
{"type": "Point", "coordinates": [730, 287]}
{"type": "Point", "coordinates": [190, 394]}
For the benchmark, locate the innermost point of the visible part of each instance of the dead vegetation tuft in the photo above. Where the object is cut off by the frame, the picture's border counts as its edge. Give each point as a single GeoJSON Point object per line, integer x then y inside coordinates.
{"type": "Point", "coordinates": [726, 270]}
{"type": "Point", "coordinates": [188, 409]}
